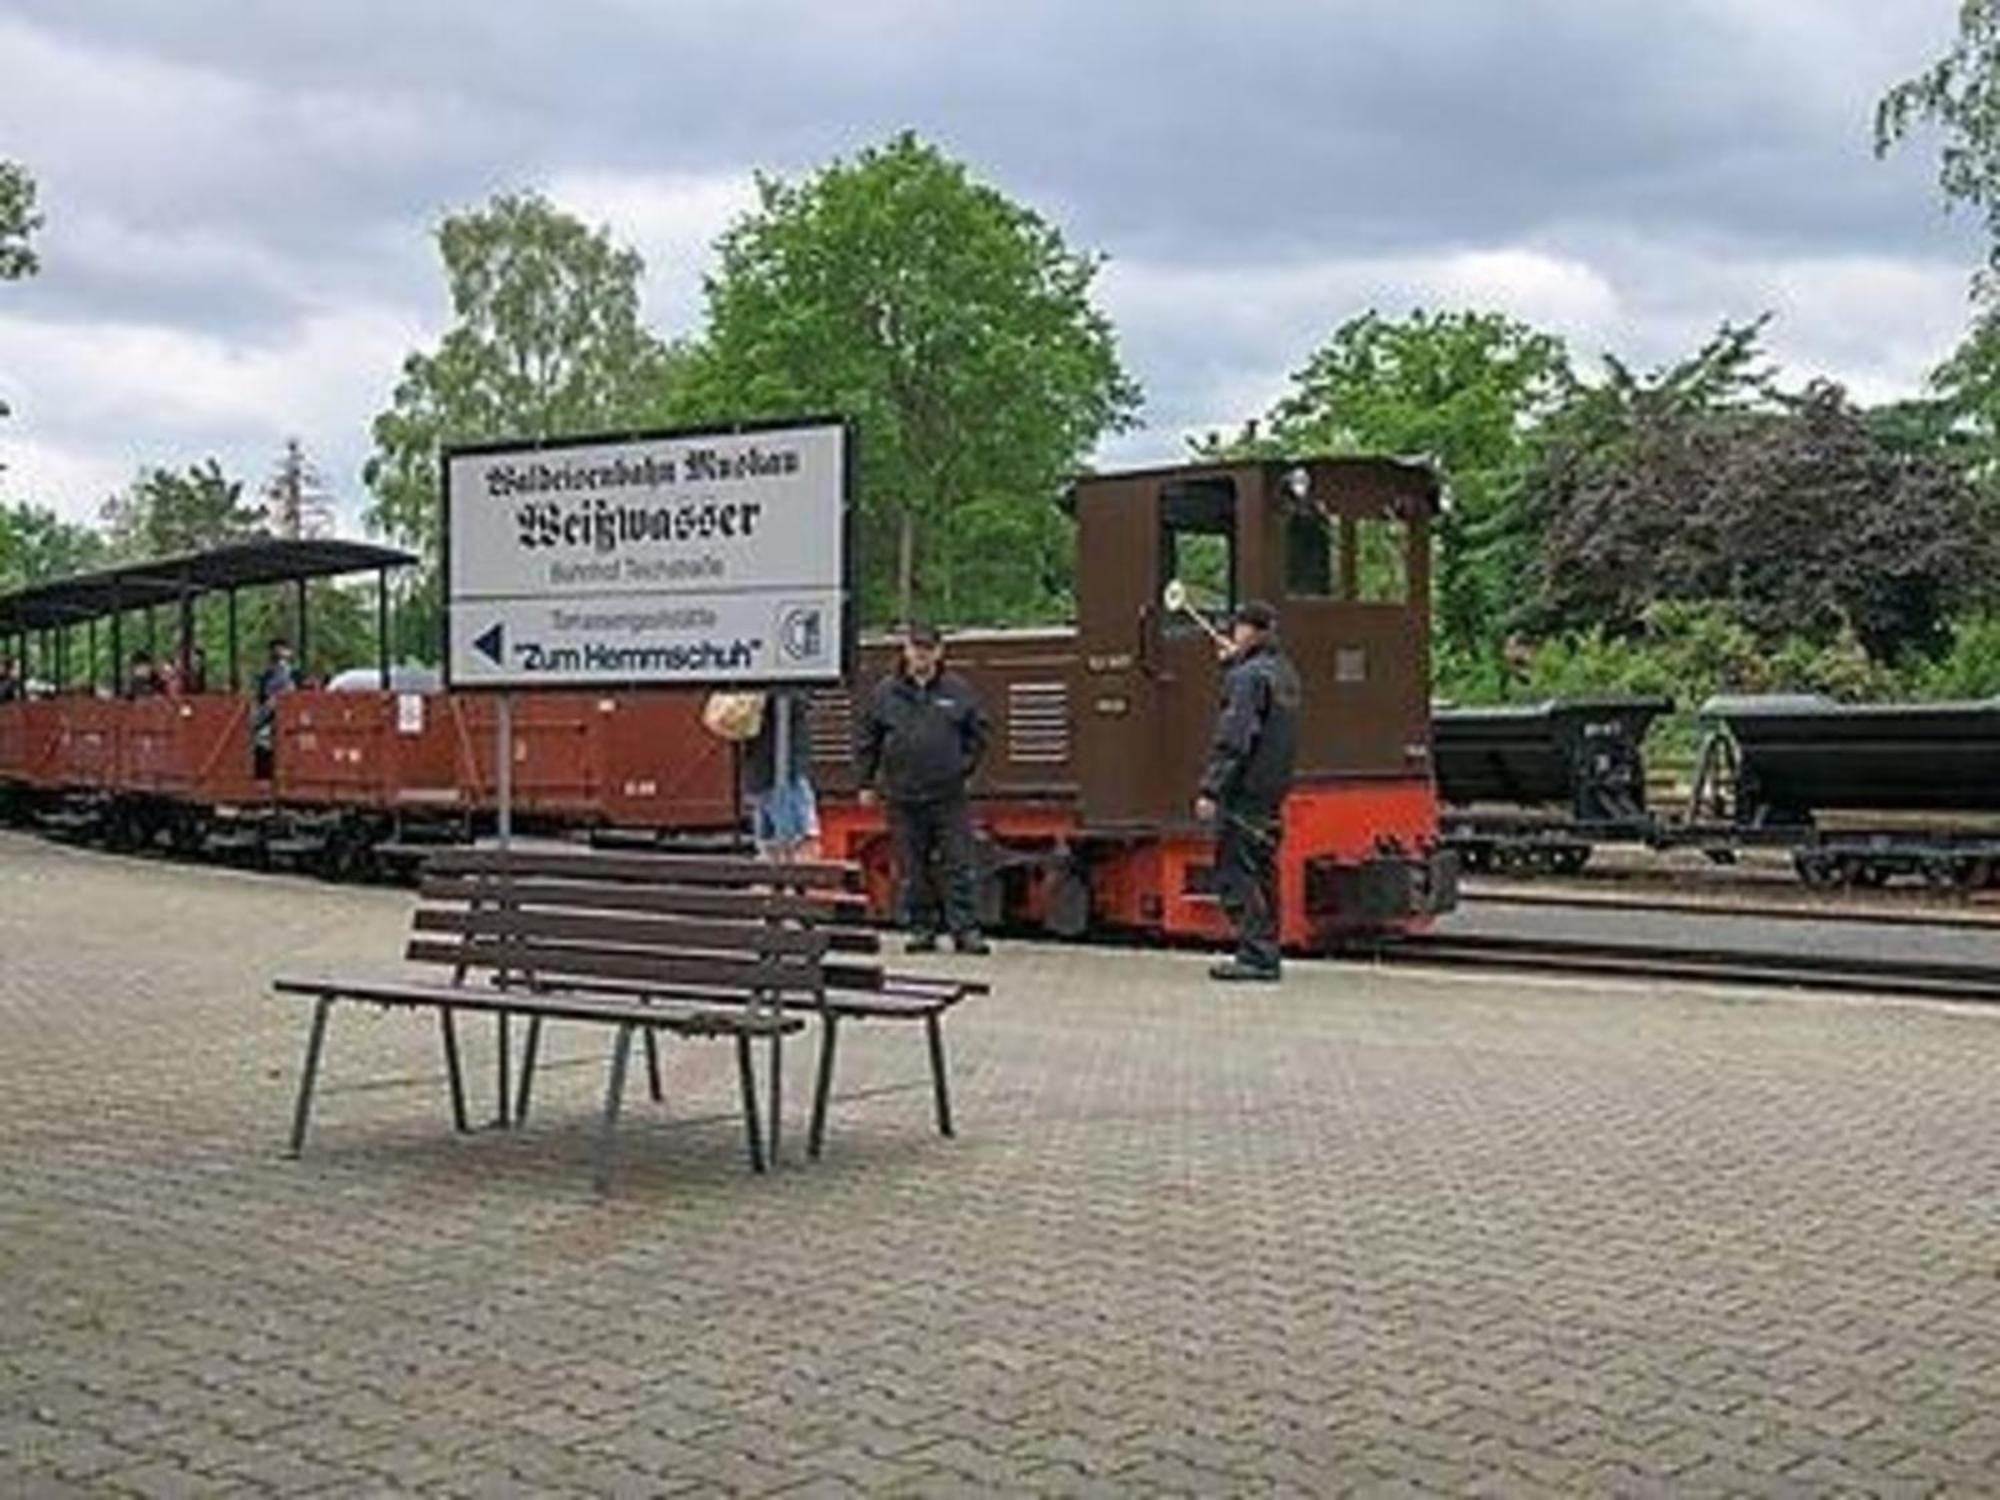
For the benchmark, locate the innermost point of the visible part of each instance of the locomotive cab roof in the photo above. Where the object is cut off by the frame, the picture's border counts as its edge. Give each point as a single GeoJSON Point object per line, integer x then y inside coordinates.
{"type": "Point", "coordinates": [1347, 473]}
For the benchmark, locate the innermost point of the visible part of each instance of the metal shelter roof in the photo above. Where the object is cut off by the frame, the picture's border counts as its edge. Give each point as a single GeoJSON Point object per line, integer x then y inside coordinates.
{"type": "Point", "coordinates": [166, 580]}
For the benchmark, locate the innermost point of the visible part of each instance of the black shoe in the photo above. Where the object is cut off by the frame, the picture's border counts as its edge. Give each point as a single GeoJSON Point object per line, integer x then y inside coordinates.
{"type": "Point", "coordinates": [921, 942]}
{"type": "Point", "coordinates": [1236, 971]}
{"type": "Point", "coordinates": [971, 942]}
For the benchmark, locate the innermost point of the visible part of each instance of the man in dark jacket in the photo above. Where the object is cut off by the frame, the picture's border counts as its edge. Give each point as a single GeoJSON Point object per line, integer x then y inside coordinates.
{"type": "Point", "coordinates": [1243, 789]}
{"type": "Point", "coordinates": [923, 733]}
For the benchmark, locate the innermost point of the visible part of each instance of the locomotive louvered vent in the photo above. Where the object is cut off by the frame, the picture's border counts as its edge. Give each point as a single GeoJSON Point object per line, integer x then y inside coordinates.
{"type": "Point", "coordinates": [830, 720]}
{"type": "Point", "coordinates": [1038, 723]}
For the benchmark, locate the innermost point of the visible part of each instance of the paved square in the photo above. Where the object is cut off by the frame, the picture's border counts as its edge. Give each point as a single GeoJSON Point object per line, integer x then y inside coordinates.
{"type": "Point", "coordinates": [1373, 1232]}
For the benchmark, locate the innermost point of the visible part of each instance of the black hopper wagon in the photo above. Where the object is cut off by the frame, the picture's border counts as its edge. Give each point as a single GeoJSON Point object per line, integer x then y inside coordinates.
{"type": "Point", "coordinates": [1534, 788]}
{"type": "Point", "coordinates": [1861, 793]}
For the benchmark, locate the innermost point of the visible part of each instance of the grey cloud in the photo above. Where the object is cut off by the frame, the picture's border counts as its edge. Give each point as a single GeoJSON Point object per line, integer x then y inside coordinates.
{"type": "Point", "coordinates": [1206, 130]}
{"type": "Point", "coordinates": [235, 167]}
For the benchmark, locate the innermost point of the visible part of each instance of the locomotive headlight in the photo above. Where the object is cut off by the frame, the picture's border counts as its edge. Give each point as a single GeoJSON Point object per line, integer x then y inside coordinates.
{"type": "Point", "coordinates": [1298, 484]}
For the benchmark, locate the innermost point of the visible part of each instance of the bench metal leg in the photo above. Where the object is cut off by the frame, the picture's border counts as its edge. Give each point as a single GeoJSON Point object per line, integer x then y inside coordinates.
{"type": "Point", "coordinates": [315, 1044]}
{"type": "Point", "coordinates": [777, 1097]}
{"type": "Point", "coordinates": [614, 1095]}
{"type": "Point", "coordinates": [746, 1074]}
{"type": "Point", "coordinates": [454, 1074]}
{"type": "Point", "coordinates": [822, 1086]}
{"type": "Point", "coordinates": [653, 1084]}
{"type": "Point", "coordinates": [531, 1051]}
{"type": "Point", "coordinates": [504, 1032]}
{"type": "Point", "coordinates": [940, 1084]}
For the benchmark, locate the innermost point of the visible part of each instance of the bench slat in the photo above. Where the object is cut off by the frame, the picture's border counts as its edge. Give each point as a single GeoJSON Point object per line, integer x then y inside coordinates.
{"type": "Point", "coordinates": [688, 901]}
{"type": "Point", "coordinates": [547, 963]}
{"type": "Point", "coordinates": [625, 932]}
{"type": "Point", "coordinates": [689, 869]}
{"type": "Point", "coordinates": [562, 1005]}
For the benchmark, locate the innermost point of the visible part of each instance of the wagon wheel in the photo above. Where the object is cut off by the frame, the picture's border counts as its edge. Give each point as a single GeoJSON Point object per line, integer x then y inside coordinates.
{"type": "Point", "coordinates": [1865, 874]}
{"type": "Point", "coordinates": [1819, 871]}
{"type": "Point", "coordinates": [1569, 859]}
{"type": "Point", "coordinates": [1942, 872]}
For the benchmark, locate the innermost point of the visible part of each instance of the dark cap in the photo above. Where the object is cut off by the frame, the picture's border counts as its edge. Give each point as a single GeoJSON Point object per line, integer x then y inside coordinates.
{"type": "Point", "coordinates": [1257, 615]}
{"type": "Point", "coordinates": [921, 633]}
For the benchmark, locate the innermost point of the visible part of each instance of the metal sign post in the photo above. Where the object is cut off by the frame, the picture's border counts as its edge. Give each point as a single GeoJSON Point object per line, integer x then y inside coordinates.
{"type": "Point", "coordinates": [503, 797]}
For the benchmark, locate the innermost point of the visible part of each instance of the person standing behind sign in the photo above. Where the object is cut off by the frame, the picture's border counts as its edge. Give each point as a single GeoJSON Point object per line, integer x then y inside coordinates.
{"type": "Point", "coordinates": [783, 811]}
{"type": "Point", "coordinates": [1243, 788]}
{"type": "Point", "coordinates": [923, 733]}
{"type": "Point", "coordinates": [277, 677]}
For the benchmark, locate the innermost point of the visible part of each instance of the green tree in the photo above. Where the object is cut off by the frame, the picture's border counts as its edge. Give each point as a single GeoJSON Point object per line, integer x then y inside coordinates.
{"type": "Point", "coordinates": [166, 513]}
{"type": "Point", "coordinates": [18, 222]}
{"type": "Point", "coordinates": [1705, 482]}
{"type": "Point", "coordinates": [1959, 94]}
{"type": "Point", "coordinates": [295, 496]}
{"type": "Point", "coordinates": [1463, 389]}
{"type": "Point", "coordinates": [546, 343]}
{"type": "Point", "coordinates": [37, 545]}
{"type": "Point", "coordinates": [956, 327]}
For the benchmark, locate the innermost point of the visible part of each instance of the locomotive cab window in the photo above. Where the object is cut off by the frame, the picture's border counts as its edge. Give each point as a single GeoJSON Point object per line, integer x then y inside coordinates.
{"type": "Point", "coordinates": [1198, 546]}
{"type": "Point", "coordinates": [1312, 555]}
{"type": "Point", "coordinates": [1381, 560]}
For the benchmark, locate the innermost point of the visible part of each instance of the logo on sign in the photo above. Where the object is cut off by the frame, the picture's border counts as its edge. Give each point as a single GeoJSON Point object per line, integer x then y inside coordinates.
{"type": "Point", "coordinates": [802, 633]}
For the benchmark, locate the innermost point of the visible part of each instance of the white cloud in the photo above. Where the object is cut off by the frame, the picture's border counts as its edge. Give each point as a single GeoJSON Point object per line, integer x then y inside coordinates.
{"type": "Point", "coordinates": [98, 401]}
{"type": "Point", "coordinates": [672, 219]}
{"type": "Point", "coordinates": [69, 481]}
{"type": "Point", "coordinates": [1227, 337]}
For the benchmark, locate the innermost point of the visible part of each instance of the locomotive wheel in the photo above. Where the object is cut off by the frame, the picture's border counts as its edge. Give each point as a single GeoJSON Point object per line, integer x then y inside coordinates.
{"type": "Point", "coordinates": [1819, 871]}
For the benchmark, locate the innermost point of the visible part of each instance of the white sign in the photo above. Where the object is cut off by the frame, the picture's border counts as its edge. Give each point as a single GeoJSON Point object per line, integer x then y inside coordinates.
{"type": "Point", "coordinates": [682, 559]}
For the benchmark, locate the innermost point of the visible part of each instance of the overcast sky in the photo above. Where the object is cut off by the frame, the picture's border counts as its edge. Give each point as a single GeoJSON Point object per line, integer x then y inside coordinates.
{"type": "Point", "coordinates": [239, 192]}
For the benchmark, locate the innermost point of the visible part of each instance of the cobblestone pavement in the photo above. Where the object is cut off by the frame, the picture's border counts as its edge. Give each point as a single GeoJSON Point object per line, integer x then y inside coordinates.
{"type": "Point", "coordinates": [1377, 1232]}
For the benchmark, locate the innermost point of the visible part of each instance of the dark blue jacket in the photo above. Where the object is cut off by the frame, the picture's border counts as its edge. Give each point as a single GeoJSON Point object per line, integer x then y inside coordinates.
{"type": "Point", "coordinates": [1256, 734]}
{"type": "Point", "coordinates": [924, 739]}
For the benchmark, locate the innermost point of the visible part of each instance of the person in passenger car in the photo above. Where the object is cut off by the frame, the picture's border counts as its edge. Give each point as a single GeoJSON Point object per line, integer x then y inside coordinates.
{"type": "Point", "coordinates": [141, 680]}
{"type": "Point", "coordinates": [783, 811]}
{"type": "Point", "coordinates": [1244, 785]}
{"type": "Point", "coordinates": [10, 681]}
{"type": "Point", "coordinates": [276, 677]}
{"type": "Point", "coordinates": [923, 733]}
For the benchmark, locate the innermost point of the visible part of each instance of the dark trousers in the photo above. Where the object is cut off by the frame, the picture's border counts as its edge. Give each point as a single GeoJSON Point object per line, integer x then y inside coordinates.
{"type": "Point", "coordinates": [934, 858]}
{"type": "Point", "coordinates": [1246, 878]}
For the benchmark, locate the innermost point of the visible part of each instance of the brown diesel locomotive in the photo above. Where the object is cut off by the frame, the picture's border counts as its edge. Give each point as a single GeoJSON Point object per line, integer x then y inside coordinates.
{"type": "Point", "coordinates": [1100, 731]}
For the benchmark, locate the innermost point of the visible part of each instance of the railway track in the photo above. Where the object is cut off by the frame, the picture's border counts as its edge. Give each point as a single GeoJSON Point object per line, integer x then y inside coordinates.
{"type": "Point", "coordinates": [1827, 973]}
{"type": "Point", "coordinates": [1884, 913]}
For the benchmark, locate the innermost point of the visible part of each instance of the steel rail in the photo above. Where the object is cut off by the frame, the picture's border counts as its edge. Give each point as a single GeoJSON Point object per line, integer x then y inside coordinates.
{"type": "Point", "coordinates": [1801, 910]}
{"type": "Point", "coordinates": [1923, 978]}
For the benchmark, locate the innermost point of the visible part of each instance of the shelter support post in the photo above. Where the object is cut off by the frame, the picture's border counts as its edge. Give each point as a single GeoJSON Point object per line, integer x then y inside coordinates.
{"type": "Point", "coordinates": [382, 626]}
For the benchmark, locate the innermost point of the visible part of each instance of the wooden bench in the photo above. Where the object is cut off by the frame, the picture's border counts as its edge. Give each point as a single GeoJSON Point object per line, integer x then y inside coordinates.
{"type": "Point", "coordinates": [684, 963]}
{"type": "Point", "coordinates": [573, 887]}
